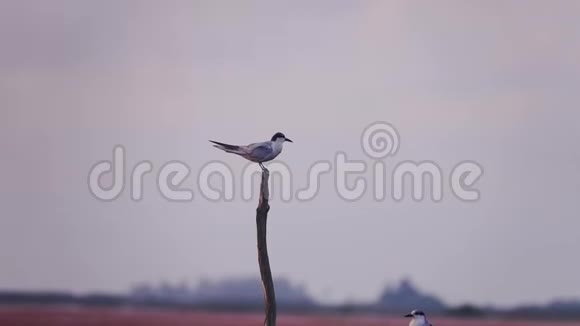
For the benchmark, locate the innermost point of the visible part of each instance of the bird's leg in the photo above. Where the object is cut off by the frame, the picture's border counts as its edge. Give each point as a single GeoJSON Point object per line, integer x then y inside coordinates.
{"type": "Point", "coordinates": [264, 169]}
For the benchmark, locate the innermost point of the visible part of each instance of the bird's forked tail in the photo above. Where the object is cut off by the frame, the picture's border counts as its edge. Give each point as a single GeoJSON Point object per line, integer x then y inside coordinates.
{"type": "Point", "coordinates": [226, 147]}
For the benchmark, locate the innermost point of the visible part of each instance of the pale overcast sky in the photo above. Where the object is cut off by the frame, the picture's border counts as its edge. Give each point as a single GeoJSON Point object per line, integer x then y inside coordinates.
{"type": "Point", "coordinates": [496, 82]}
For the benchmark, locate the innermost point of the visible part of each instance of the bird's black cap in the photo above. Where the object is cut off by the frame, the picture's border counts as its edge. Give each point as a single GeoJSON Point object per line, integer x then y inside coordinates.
{"type": "Point", "coordinates": [280, 135]}
{"type": "Point", "coordinates": [415, 313]}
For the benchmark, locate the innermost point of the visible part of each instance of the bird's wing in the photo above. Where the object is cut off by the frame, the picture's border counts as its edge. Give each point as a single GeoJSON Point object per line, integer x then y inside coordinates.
{"type": "Point", "coordinates": [260, 150]}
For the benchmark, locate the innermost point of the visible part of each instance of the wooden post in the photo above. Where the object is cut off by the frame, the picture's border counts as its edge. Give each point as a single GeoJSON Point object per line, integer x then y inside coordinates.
{"type": "Point", "coordinates": [263, 261]}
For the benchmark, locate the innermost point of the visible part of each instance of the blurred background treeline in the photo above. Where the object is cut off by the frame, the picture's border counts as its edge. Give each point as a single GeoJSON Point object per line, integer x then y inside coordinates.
{"type": "Point", "coordinates": [245, 295]}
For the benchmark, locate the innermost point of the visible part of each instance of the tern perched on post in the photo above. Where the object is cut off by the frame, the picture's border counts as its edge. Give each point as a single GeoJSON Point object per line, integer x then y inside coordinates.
{"type": "Point", "coordinates": [257, 152]}
{"type": "Point", "coordinates": [419, 318]}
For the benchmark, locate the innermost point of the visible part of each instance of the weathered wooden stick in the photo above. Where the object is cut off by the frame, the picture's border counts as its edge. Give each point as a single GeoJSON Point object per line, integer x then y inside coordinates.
{"type": "Point", "coordinates": [263, 261]}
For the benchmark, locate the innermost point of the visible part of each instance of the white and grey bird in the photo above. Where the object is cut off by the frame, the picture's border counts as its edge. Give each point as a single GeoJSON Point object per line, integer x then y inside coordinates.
{"type": "Point", "coordinates": [418, 318]}
{"type": "Point", "coordinates": [257, 152]}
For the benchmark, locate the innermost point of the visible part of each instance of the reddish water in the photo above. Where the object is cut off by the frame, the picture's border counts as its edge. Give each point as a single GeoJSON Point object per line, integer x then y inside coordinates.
{"type": "Point", "coordinates": [129, 317]}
